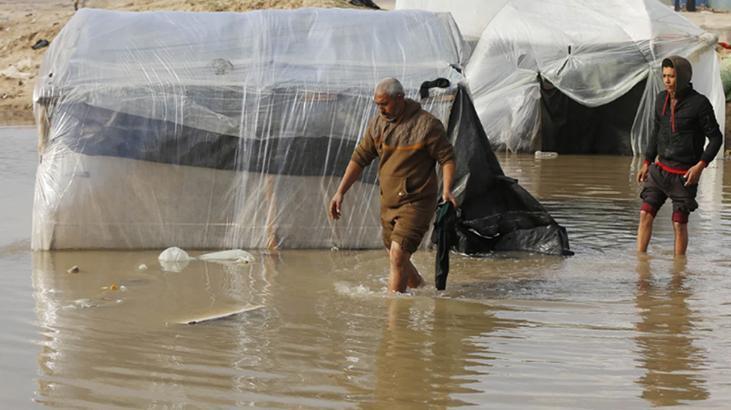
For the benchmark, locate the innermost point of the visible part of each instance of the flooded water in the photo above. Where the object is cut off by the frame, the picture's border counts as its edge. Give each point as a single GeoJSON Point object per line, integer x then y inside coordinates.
{"type": "Point", "coordinates": [603, 329]}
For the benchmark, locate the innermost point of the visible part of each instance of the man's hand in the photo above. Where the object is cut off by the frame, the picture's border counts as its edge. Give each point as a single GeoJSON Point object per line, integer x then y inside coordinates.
{"type": "Point", "coordinates": [448, 197]}
{"type": "Point", "coordinates": [335, 204]}
{"type": "Point", "coordinates": [694, 174]}
{"type": "Point", "coordinates": [642, 174]}
{"type": "Point", "coordinates": [352, 173]}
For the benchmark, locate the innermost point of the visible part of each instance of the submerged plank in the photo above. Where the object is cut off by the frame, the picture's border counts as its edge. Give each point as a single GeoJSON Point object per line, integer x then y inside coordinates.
{"type": "Point", "coordinates": [220, 315]}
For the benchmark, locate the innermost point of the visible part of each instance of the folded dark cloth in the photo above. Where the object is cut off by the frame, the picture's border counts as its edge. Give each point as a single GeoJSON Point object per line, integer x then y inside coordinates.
{"type": "Point", "coordinates": [426, 85]}
{"type": "Point", "coordinates": [445, 234]}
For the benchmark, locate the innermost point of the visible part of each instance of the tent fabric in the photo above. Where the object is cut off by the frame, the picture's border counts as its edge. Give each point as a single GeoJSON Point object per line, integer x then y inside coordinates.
{"type": "Point", "coordinates": [593, 52]}
{"type": "Point", "coordinates": [232, 130]}
{"type": "Point", "coordinates": [568, 127]}
{"type": "Point", "coordinates": [495, 213]}
{"type": "Point", "coordinates": [471, 16]}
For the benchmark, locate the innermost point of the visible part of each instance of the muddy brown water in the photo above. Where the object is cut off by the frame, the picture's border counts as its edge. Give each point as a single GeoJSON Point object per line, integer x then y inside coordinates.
{"type": "Point", "coordinates": [603, 329]}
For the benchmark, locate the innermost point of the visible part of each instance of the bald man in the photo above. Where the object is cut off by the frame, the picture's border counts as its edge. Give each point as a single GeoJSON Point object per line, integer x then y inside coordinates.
{"type": "Point", "coordinates": [409, 142]}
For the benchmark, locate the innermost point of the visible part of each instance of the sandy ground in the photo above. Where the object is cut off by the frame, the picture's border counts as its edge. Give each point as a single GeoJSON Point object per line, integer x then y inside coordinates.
{"type": "Point", "coordinates": [22, 24]}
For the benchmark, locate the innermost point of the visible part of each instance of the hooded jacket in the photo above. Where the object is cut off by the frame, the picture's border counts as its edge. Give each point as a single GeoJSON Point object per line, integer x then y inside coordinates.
{"type": "Point", "coordinates": [680, 130]}
{"type": "Point", "coordinates": [409, 149]}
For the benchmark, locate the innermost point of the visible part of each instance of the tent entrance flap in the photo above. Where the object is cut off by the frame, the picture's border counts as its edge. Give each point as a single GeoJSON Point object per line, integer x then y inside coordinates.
{"type": "Point", "coordinates": [568, 127]}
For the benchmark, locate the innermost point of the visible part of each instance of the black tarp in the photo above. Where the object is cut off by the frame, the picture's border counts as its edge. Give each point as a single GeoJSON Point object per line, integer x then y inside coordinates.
{"type": "Point", "coordinates": [496, 213]}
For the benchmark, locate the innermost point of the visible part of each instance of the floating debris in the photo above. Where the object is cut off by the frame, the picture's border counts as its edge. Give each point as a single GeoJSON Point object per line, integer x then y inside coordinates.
{"type": "Point", "coordinates": [220, 315]}
{"type": "Point", "coordinates": [142, 267]}
{"type": "Point", "coordinates": [174, 259]}
{"type": "Point", "coordinates": [546, 155]}
{"type": "Point", "coordinates": [113, 286]}
{"type": "Point", "coordinates": [81, 303]}
{"type": "Point", "coordinates": [73, 269]}
{"type": "Point", "coordinates": [173, 254]}
{"type": "Point", "coordinates": [233, 255]}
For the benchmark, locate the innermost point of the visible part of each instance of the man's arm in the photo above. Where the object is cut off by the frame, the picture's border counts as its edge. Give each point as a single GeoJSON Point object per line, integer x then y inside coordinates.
{"type": "Point", "coordinates": [442, 151]}
{"type": "Point", "coordinates": [447, 180]}
{"type": "Point", "coordinates": [352, 173]}
{"type": "Point", "coordinates": [365, 152]}
{"type": "Point", "coordinates": [650, 149]}
{"type": "Point", "coordinates": [707, 119]}
{"type": "Point", "coordinates": [713, 132]}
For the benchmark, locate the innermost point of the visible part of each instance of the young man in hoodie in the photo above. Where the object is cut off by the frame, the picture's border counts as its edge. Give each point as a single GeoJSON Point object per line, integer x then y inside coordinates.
{"type": "Point", "coordinates": [675, 157]}
{"type": "Point", "coordinates": [409, 142]}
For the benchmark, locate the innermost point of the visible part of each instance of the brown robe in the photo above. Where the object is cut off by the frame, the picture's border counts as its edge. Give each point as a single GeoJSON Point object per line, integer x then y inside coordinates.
{"type": "Point", "coordinates": [408, 148]}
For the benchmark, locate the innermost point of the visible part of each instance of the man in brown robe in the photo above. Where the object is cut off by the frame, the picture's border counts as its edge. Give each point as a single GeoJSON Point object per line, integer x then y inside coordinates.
{"type": "Point", "coordinates": [409, 142]}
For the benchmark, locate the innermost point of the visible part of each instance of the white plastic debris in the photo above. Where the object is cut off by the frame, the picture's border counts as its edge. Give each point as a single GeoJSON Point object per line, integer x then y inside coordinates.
{"type": "Point", "coordinates": [546, 155]}
{"type": "Point", "coordinates": [174, 254]}
{"type": "Point", "coordinates": [174, 259]}
{"type": "Point", "coordinates": [81, 304]}
{"type": "Point", "coordinates": [233, 255]}
{"type": "Point", "coordinates": [142, 267]}
{"type": "Point", "coordinates": [73, 269]}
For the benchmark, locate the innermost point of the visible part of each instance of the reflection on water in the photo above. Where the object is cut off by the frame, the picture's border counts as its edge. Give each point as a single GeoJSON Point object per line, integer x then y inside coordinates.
{"type": "Point", "coordinates": [428, 349]}
{"type": "Point", "coordinates": [665, 337]}
{"type": "Point", "coordinates": [309, 348]}
{"type": "Point", "coordinates": [603, 329]}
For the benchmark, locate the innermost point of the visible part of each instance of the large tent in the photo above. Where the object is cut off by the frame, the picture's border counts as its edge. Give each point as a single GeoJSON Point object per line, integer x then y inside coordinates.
{"type": "Point", "coordinates": [222, 130]}
{"type": "Point", "coordinates": [575, 76]}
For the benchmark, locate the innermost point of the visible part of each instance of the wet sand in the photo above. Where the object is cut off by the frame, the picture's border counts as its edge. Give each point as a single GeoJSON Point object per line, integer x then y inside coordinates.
{"type": "Point", "coordinates": [603, 329]}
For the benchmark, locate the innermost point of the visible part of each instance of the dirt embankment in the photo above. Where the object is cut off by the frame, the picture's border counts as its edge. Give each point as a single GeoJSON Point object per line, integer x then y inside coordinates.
{"type": "Point", "coordinates": [23, 24]}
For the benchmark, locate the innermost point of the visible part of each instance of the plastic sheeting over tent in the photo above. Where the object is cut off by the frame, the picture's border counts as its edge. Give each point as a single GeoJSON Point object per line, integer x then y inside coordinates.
{"type": "Point", "coordinates": [221, 130]}
{"type": "Point", "coordinates": [593, 52]}
{"type": "Point", "coordinates": [471, 16]}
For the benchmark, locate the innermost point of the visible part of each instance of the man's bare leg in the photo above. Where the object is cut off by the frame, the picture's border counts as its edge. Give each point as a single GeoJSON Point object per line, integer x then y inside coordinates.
{"type": "Point", "coordinates": [681, 238]}
{"type": "Point", "coordinates": [644, 231]}
{"type": "Point", "coordinates": [398, 271]}
{"type": "Point", "coordinates": [415, 279]}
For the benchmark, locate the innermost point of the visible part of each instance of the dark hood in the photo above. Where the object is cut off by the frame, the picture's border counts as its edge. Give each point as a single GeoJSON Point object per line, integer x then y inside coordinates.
{"type": "Point", "coordinates": [683, 72]}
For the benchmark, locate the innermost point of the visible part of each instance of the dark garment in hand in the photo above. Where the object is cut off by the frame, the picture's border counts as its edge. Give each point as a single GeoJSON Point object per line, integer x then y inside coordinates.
{"type": "Point", "coordinates": [445, 235]}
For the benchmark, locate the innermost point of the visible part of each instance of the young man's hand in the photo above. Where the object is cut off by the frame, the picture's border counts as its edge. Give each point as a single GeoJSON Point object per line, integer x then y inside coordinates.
{"type": "Point", "coordinates": [642, 174]}
{"type": "Point", "coordinates": [694, 174]}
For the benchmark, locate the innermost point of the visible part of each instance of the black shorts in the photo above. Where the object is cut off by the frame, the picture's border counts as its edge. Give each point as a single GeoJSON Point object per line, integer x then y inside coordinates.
{"type": "Point", "coordinates": [661, 185]}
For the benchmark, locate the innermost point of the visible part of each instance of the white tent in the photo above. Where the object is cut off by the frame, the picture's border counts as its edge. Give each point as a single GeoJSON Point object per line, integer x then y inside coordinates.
{"type": "Point", "coordinates": [594, 52]}
{"type": "Point", "coordinates": [472, 16]}
{"type": "Point", "coordinates": [220, 130]}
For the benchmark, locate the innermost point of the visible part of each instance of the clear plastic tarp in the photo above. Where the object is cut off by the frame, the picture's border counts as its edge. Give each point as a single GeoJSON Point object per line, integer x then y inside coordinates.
{"type": "Point", "coordinates": [593, 51]}
{"type": "Point", "coordinates": [222, 130]}
{"type": "Point", "coordinates": [471, 16]}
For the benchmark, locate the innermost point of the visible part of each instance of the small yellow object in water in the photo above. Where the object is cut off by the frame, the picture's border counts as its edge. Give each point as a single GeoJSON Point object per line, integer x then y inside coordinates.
{"type": "Point", "coordinates": [113, 286]}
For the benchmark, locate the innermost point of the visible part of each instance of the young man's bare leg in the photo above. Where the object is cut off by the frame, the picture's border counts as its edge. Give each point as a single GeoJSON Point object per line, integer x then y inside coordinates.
{"type": "Point", "coordinates": [398, 271]}
{"type": "Point", "coordinates": [681, 238]}
{"type": "Point", "coordinates": [644, 231]}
